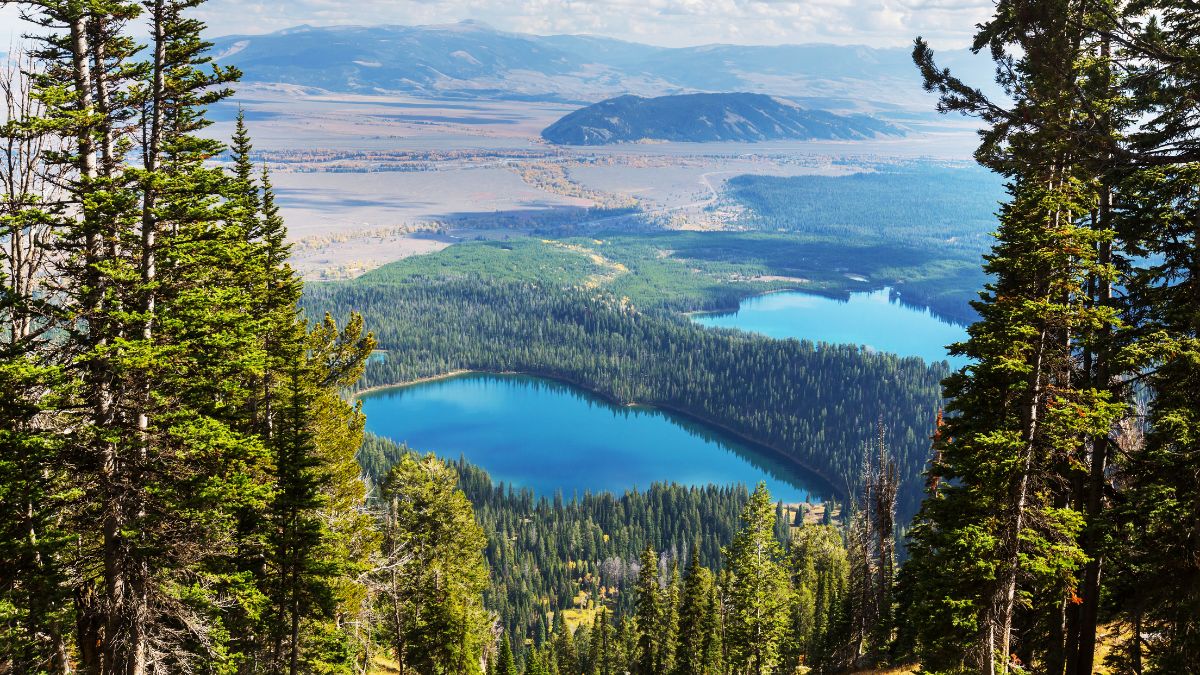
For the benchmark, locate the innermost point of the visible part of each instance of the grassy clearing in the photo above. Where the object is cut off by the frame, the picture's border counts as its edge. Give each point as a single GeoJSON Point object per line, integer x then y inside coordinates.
{"type": "Point", "coordinates": [690, 271]}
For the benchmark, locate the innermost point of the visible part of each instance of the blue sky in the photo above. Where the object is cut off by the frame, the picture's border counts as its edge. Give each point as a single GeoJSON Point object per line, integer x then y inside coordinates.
{"type": "Point", "coordinates": [947, 23]}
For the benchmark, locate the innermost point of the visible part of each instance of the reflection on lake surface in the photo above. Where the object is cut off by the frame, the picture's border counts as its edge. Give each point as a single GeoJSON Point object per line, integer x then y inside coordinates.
{"type": "Point", "coordinates": [872, 319]}
{"type": "Point", "coordinates": [548, 436]}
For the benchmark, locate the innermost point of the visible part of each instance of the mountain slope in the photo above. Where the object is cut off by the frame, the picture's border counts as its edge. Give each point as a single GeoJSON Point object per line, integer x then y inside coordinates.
{"type": "Point", "coordinates": [425, 59]}
{"type": "Point", "coordinates": [472, 60]}
{"type": "Point", "coordinates": [703, 118]}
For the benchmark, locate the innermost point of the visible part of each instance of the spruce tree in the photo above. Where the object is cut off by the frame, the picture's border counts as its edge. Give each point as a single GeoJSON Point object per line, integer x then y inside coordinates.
{"type": "Point", "coordinates": [758, 591]}
{"type": "Point", "coordinates": [819, 572]}
{"type": "Point", "coordinates": [698, 621]}
{"type": "Point", "coordinates": [1001, 533]}
{"type": "Point", "coordinates": [505, 663]}
{"type": "Point", "coordinates": [669, 635]}
{"type": "Point", "coordinates": [179, 376]}
{"type": "Point", "coordinates": [1157, 218]}
{"type": "Point", "coordinates": [648, 614]}
{"type": "Point", "coordinates": [565, 653]}
{"type": "Point", "coordinates": [433, 573]}
{"type": "Point", "coordinates": [35, 622]}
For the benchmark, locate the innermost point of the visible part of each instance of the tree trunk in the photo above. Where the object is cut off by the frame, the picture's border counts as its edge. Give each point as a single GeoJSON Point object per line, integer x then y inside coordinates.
{"type": "Point", "coordinates": [119, 643]}
{"type": "Point", "coordinates": [294, 659]}
{"type": "Point", "coordinates": [1019, 499]}
{"type": "Point", "coordinates": [89, 634]}
{"type": "Point", "coordinates": [108, 159]}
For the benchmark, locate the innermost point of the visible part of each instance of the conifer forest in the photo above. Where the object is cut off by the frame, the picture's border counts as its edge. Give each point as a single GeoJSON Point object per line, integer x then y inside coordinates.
{"type": "Point", "coordinates": [190, 484]}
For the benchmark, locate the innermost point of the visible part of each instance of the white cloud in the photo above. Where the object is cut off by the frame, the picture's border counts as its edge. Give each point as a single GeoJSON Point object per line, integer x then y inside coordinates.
{"type": "Point", "coordinates": [948, 23]}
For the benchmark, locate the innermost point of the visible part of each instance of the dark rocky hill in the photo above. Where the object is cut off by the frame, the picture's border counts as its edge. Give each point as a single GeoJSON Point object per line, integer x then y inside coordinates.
{"type": "Point", "coordinates": [702, 118]}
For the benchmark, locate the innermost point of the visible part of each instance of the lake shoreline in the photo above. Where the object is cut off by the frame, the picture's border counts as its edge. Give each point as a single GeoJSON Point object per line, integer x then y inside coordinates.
{"type": "Point", "coordinates": [840, 295]}
{"type": "Point", "coordinates": [768, 449]}
{"type": "Point", "coordinates": [797, 314]}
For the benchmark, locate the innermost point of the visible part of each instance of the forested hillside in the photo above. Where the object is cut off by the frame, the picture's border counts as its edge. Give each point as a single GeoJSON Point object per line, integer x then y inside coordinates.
{"type": "Point", "coordinates": [694, 579]}
{"type": "Point", "coordinates": [700, 271]}
{"type": "Point", "coordinates": [946, 212]}
{"type": "Point", "coordinates": [185, 486]}
{"type": "Point", "coordinates": [550, 554]}
{"type": "Point", "coordinates": [815, 404]}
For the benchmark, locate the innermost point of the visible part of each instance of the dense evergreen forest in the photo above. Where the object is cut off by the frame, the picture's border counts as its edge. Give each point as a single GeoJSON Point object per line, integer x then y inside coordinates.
{"type": "Point", "coordinates": [185, 487]}
{"type": "Point", "coordinates": [915, 206]}
{"type": "Point", "coordinates": [700, 271]}
{"type": "Point", "coordinates": [548, 554]}
{"type": "Point", "coordinates": [672, 580]}
{"type": "Point", "coordinates": [813, 403]}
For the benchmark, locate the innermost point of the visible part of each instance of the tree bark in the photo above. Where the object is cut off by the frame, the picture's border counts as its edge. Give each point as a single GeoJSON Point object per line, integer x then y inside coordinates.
{"type": "Point", "coordinates": [1019, 499]}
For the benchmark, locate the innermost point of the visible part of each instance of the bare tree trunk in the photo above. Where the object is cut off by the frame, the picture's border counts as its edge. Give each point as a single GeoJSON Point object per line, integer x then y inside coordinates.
{"type": "Point", "coordinates": [137, 613]}
{"type": "Point", "coordinates": [98, 30]}
{"type": "Point", "coordinates": [294, 661]}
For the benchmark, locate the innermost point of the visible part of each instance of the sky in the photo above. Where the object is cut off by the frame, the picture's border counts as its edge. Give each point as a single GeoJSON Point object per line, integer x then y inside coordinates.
{"type": "Point", "coordinates": [671, 23]}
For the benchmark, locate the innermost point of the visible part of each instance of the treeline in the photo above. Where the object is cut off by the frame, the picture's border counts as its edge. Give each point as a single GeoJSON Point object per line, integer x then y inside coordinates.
{"type": "Point", "coordinates": [700, 271]}
{"type": "Point", "coordinates": [814, 403]}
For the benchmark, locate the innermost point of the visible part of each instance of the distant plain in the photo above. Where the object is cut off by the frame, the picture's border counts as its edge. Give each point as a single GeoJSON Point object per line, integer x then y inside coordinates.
{"type": "Point", "coordinates": [364, 180]}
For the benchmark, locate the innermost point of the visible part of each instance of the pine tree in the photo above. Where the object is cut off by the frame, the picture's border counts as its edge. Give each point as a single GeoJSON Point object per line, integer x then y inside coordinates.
{"type": "Point", "coordinates": [648, 614]}
{"type": "Point", "coordinates": [758, 590]}
{"type": "Point", "coordinates": [699, 620]}
{"type": "Point", "coordinates": [315, 535]}
{"type": "Point", "coordinates": [669, 630]}
{"type": "Point", "coordinates": [505, 663]}
{"type": "Point", "coordinates": [433, 573]}
{"type": "Point", "coordinates": [34, 607]}
{"type": "Point", "coordinates": [1001, 532]}
{"type": "Point", "coordinates": [819, 573]}
{"type": "Point", "coordinates": [193, 393]}
{"type": "Point", "coordinates": [604, 651]}
{"type": "Point", "coordinates": [1157, 216]}
{"type": "Point", "coordinates": [714, 660]}
{"type": "Point", "coordinates": [149, 273]}
{"type": "Point", "coordinates": [565, 653]}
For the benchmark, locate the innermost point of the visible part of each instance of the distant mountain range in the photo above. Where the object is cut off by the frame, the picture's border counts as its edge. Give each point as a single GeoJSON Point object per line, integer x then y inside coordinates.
{"type": "Point", "coordinates": [472, 60]}
{"type": "Point", "coordinates": [701, 118]}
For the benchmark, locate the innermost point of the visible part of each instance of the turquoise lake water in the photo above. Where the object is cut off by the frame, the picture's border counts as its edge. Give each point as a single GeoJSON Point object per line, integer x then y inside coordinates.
{"type": "Point", "coordinates": [872, 319]}
{"type": "Point", "coordinates": [545, 435]}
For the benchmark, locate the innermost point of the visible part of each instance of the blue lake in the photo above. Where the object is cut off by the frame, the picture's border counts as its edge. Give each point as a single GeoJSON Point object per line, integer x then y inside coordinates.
{"type": "Point", "coordinates": [548, 436]}
{"type": "Point", "coordinates": [872, 319]}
